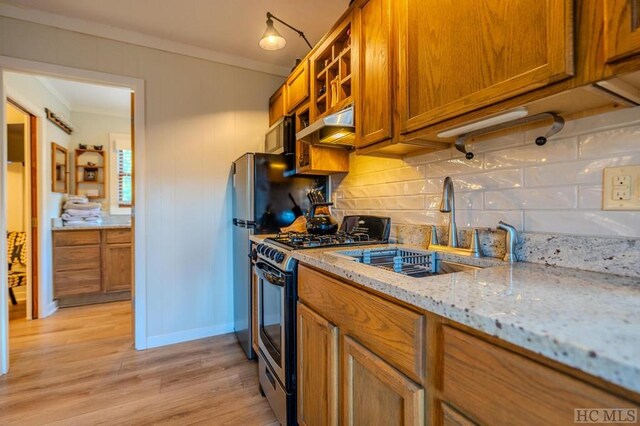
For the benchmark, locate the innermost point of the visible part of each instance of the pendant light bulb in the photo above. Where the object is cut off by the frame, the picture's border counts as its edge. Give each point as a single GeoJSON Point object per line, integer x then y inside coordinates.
{"type": "Point", "coordinates": [271, 39]}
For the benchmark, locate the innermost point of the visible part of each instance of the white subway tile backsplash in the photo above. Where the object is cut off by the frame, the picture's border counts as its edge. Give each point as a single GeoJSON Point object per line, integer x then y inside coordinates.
{"type": "Point", "coordinates": [455, 166]}
{"type": "Point", "coordinates": [532, 154]}
{"type": "Point", "coordinates": [553, 188]}
{"type": "Point", "coordinates": [590, 196]}
{"type": "Point", "coordinates": [557, 197]}
{"type": "Point", "coordinates": [585, 171]}
{"type": "Point", "coordinates": [491, 180]}
{"type": "Point", "coordinates": [583, 222]}
{"type": "Point", "coordinates": [488, 219]}
{"type": "Point", "coordinates": [610, 142]}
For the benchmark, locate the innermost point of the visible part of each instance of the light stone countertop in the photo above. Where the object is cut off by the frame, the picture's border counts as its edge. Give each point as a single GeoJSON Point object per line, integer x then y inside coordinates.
{"type": "Point", "coordinates": [107, 222]}
{"type": "Point", "coordinates": [586, 320]}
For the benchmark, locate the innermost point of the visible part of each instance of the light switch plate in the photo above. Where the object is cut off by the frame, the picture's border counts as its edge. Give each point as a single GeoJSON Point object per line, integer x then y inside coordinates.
{"type": "Point", "coordinates": [621, 188]}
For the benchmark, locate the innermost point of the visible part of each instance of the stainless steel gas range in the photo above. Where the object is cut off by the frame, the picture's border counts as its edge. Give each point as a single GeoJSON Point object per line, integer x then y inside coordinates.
{"type": "Point", "coordinates": [276, 269]}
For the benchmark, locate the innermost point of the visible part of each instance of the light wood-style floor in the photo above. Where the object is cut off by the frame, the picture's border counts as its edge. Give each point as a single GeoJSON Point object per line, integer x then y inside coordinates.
{"type": "Point", "coordinates": [78, 367]}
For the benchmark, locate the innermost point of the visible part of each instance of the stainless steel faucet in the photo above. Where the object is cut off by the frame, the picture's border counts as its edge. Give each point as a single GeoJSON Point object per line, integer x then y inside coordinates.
{"type": "Point", "coordinates": [448, 205]}
{"type": "Point", "coordinates": [511, 241]}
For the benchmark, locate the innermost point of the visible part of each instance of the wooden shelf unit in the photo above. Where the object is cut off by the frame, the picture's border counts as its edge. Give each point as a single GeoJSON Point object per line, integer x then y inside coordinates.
{"type": "Point", "coordinates": [81, 167]}
{"type": "Point", "coordinates": [331, 73]}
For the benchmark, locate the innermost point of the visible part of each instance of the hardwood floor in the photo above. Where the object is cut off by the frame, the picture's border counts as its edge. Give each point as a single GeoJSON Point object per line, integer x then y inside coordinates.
{"type": "Point", "coordinates": [78, 367]}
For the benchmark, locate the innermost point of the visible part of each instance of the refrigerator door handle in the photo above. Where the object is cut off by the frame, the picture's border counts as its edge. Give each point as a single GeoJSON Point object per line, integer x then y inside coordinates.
{"type": "Point", "coordinates": [240, 223]}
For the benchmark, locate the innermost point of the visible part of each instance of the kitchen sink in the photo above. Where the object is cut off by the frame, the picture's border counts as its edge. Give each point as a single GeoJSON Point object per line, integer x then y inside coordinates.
{"type": "Point", "coordinates": [413, 263]}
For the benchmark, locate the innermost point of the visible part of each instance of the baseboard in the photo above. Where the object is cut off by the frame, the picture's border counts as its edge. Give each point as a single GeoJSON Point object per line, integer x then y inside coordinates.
{"type": "Point", "coordinates": [50, 309]}
{"type": "Point", "coordinates": [187, 335]}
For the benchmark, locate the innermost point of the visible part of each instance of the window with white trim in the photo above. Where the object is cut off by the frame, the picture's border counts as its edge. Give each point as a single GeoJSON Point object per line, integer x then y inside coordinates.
{"type": "Point", "coordinates": [125, 169]}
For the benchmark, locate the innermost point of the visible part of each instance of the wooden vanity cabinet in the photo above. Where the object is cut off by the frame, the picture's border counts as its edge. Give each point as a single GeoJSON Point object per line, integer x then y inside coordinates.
{"type": "Point", "coordinates": [455, 57]}
{"type": "Point", "coordinates": [622, 29]}
{"type": "Point", "coordinates": [92, 266]}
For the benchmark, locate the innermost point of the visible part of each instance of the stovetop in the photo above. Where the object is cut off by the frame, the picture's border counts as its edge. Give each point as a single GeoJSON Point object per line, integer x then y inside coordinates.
{"type": "Point", "coordinates": [297, 241]}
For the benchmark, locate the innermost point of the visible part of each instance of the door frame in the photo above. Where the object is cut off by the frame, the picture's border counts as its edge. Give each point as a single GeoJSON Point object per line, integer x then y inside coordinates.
{"type": "Point", "coordinates": [31, 195]}
{"type": "Point", "coordinates": [138, 211]}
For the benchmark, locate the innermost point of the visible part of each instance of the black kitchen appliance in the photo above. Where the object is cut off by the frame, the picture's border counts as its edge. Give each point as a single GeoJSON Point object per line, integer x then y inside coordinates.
{"type": "Point", "coordinates": [276, 269]}
{"type": "Point", "coordinates": [261, 205]}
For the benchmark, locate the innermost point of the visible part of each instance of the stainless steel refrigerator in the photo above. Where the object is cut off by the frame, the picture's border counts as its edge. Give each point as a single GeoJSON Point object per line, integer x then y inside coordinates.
{"type": "Point", "coordinates": [264, 201]}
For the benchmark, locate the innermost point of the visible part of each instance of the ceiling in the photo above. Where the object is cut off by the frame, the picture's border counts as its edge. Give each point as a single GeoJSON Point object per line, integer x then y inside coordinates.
{"type": "Point", "coordinates": [231, 27]}
{"type": "Point", "coordinates": [92, 98]}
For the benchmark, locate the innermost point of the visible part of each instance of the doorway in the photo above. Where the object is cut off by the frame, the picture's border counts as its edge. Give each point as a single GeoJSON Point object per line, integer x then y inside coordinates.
{"type": "Point", "coordinates": [46, 303]}
{"type": "Point", "coordinates": [22, 203]}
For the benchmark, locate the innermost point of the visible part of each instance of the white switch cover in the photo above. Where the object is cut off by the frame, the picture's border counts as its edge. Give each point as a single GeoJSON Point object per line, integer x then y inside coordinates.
{"type": "Point", "coordinates": [621, 188]}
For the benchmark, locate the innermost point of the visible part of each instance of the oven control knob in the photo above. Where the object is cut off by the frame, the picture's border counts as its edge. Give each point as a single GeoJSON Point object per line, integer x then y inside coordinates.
{"type": "Point", "coordinates": [259, 248]}
{"type": "Point", "coordinates": [279, 257]}
{"type": "Point", "coordinates": [269, 252]}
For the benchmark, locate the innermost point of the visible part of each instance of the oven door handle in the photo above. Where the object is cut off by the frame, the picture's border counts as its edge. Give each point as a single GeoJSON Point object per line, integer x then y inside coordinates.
{"type": "Point", "coordinates": [272, 277]}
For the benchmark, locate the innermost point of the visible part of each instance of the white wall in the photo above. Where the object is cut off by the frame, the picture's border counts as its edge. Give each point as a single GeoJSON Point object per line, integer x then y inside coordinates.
{"type": "Point", "coordinates": [555, 188]}
{"type": "Point", "coordinates": [93, 129]}
{"type": "Point", "coordinates": [200, 116]}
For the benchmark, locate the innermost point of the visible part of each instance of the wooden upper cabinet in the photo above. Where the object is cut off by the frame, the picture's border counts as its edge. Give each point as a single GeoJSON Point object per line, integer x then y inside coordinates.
{"type": "Point", "coordinates": [317, 380]}
{"type": "Point", "coordinates": [277, 107]}
{"type": "Point", "coordinates": [622, 28]}
{"type": "Point", "coordinates": [374, 99]}
{"type": "Point", "coordinates": [297, 86]}
{"type": "Point", "coordinates": [456, 56]}
{"type": "Point", "coordinates": [374, 393]}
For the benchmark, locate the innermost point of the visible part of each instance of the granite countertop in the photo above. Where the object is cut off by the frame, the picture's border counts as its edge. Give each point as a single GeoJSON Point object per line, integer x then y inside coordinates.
{"type": "Point", "coordinates": [586, 320]}
{"type": "Point", "coordinates": [107, 222]}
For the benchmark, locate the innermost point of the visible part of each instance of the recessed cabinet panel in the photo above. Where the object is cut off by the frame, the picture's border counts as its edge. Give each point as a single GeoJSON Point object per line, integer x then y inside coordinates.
{"type": "Point", "coordinates": [374, 393]}
{"type": "Point", "coordinates": [456, 56]}
{"type": "Point", "coordinates": [118, 267]}
{"type": "Point", "coordinates": [277, 105]}
{"type": "Point", "coordinates": [622, 28]}
{"type": "Point", "coordinates": [317, 379]}
{"type": "Point", "coordinates": [374, 102]}
{"type": "Point", "coordinates": [297, 90]}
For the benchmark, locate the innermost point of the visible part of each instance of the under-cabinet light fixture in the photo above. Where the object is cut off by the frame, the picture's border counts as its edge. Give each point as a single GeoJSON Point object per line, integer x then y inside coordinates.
{"type": "Point", "coordinates": [272, 40]}
{"type": "Point", "coordinates": [487, 122]}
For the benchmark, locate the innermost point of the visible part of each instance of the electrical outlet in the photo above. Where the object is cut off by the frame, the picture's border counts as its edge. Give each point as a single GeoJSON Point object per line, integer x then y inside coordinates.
{"type": "Point", "coordinates": [621, 188]}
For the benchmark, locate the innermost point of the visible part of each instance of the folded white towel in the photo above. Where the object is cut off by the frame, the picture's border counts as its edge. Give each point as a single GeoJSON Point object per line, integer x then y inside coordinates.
{"type": "Point", "coordinates": [67, 216]}
{"type": "Point", "coordinates": [82, 213]}
{"type": "Point", "coordinates": [78, 199]}
{"type": "Point", "coordinates": [81, 206]}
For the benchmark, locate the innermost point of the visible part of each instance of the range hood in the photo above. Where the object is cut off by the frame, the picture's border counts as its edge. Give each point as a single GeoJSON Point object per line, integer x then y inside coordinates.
{"type": "Point", "coordinates": [336, 129]}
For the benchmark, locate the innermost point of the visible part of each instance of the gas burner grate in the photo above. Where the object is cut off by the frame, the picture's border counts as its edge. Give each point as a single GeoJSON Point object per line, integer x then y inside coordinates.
{"type": "Point", "coordinates": [305, 240]}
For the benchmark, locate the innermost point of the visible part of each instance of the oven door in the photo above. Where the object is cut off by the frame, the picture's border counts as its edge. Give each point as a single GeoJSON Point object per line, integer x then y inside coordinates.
{"type": "Point", "coordinates": [272, 319]}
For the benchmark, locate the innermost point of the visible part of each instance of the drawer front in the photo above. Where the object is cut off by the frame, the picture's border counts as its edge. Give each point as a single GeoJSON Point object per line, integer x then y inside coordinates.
{"type": "Point", "coordinates": [492, 385]}
{"type": "Point", "coordinates": [77, 258]}
{"type": "Point", "coordinates": [118, 236]}
{"type": "Point", "coordinates": [72, 283]}
{"type": "Point", "coordinates": [394, 333]}
{"type": "Point", "coordinates": [76, 238]}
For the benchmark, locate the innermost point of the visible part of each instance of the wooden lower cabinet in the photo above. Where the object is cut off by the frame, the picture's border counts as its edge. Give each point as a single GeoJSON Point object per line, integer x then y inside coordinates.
{"type": "Point", "coordinates": [492, 385]}
{"type": "Point", "coordinates": [117, 267]}
{"type": "Point", "coordinates": [392, 369]}
{"type": "Point", "coordinates": [317, 376]}
{"type": "Point", "coordinates": [359, 356]}
{"type": "Point", "coordinates": [92, 266]}
{"type": "Point", "coordinates": [374, 393]}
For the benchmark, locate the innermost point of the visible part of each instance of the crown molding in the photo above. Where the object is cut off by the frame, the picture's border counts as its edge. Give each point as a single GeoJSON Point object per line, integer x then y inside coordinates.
{"type": "Point", "coordinates": [133, 37]}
